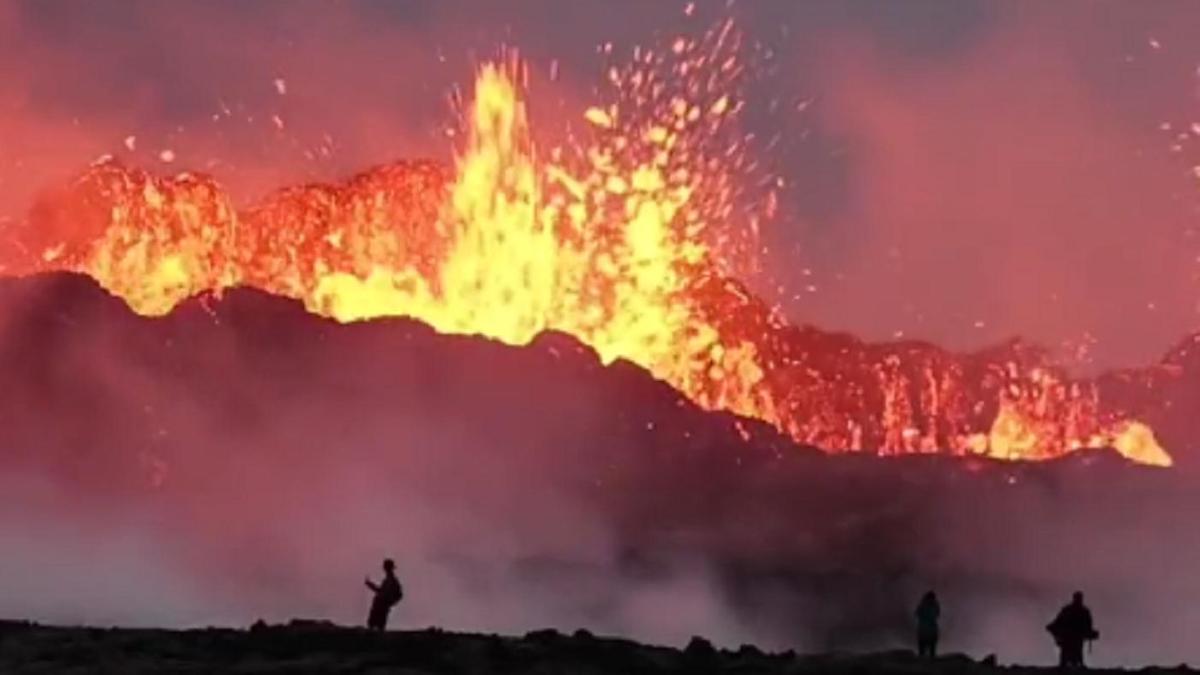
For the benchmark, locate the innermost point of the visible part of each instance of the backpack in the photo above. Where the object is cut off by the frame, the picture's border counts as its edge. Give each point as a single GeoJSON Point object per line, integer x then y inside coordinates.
{"type": "Point", "coordinates": [394, 595]}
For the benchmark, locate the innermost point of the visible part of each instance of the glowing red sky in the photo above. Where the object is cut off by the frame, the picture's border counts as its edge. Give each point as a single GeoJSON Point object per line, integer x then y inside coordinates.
{"type": "Point", "coordinates": [958, 171]}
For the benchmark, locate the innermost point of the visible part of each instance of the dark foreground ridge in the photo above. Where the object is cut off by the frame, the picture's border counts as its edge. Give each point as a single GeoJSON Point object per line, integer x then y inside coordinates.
{"type": "Point", "coordinates": [243, 458]}
{"type": "Point", "coordinates": [319, 647]}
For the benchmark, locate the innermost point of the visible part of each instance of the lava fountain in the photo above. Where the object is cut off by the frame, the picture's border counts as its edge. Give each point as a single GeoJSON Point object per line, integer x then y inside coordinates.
{"type": "Point", "coordinates": [627, 239]}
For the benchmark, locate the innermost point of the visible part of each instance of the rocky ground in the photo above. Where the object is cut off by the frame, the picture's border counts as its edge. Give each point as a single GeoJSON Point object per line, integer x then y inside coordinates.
{"type": "Point", "coordinates": [310, 647]}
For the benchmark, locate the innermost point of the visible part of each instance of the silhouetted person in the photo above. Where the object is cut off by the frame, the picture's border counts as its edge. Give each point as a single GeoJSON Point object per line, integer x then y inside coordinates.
{"type": "Point", "coordinates": [387, 594]}
{"type": "Point", "coordinates": [929, 610]}
{"type": "Point", "coordinates": [1071, 629]}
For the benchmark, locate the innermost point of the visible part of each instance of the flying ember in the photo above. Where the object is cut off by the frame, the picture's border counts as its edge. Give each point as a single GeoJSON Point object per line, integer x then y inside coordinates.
{"type": "Point", "coordinates": [628, 239]}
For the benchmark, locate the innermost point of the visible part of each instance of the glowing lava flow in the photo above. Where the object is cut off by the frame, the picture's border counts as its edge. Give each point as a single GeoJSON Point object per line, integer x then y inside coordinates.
{"type": "Point", "coordinates": [622, 243]}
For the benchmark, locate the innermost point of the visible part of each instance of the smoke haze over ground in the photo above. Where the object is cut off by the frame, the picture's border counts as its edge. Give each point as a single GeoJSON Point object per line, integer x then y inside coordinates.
{"type": "Point", "coordinates": [252, 460]}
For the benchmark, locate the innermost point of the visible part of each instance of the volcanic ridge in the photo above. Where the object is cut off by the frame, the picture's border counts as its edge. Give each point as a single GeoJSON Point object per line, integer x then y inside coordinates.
{"type": "Point", "coordinates": [243, 436]}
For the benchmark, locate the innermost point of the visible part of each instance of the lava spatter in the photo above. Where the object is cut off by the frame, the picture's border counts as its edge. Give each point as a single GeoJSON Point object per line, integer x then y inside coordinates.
{"type": "Point", "coordinates": [626, 240]}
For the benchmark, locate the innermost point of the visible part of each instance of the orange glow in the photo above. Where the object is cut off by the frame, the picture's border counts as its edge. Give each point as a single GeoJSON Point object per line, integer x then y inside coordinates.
{"type": "Point", "coordinates": [626, 242]}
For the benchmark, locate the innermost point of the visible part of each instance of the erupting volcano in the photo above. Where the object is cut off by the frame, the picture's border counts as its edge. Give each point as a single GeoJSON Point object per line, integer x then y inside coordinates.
{"type": "Point", "coordinates": [632, 238]}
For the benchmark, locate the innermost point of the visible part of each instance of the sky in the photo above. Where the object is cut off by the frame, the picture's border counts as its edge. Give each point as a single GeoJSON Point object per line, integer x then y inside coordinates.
{"type": "Point", "coordinates": [956, 171]}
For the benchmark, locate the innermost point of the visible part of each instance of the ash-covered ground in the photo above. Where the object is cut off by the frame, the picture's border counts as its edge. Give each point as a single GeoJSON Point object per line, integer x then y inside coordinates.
{"type": "Point", "coordinates": [242, 459]}
{"type": "Point", "coordinates": [312, 647]}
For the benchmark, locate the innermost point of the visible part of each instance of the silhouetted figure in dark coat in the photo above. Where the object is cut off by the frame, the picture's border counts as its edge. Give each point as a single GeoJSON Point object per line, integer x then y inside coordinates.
{"type": "Point", "coordinates": [929, 611]}
{"type": "Point", "coordinates": [1071, 629]}
{"type": "Point", "coordinates": [387, 594]}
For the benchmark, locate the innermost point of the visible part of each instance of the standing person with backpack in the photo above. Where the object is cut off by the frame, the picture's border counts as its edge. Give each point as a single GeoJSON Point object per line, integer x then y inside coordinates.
{"type": "Point", "coordinates": [1072, 628]}
{"type": "Point", "coordinates": [387, 595]}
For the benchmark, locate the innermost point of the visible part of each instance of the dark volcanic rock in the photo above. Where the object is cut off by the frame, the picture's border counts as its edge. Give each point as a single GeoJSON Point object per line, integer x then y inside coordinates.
{"type": "Point", "coordinates": [330, 649]}
{"type": "Point", "coordinates": [272, 456]}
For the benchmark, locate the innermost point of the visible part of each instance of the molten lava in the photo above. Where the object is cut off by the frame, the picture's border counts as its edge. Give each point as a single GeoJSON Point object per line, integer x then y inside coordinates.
{"type": "Point", "coordinates": [625, 240]}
